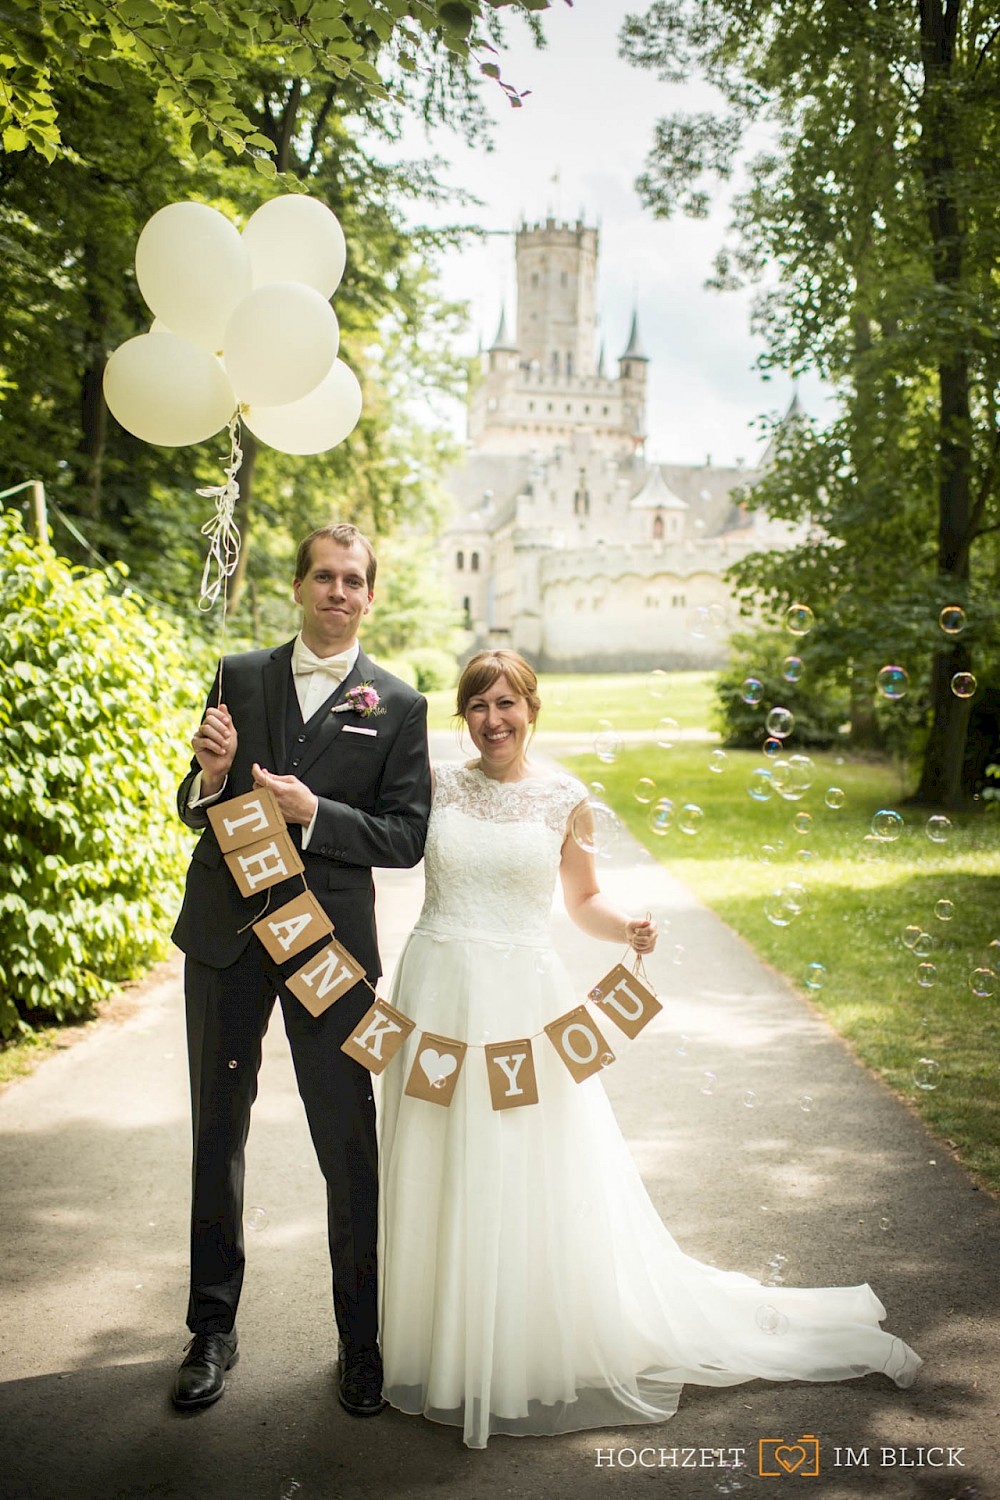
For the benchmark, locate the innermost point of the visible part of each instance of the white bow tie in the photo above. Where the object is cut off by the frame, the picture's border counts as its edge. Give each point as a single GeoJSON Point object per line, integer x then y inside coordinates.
{"type": "Point", "coordinates": [305, 662]}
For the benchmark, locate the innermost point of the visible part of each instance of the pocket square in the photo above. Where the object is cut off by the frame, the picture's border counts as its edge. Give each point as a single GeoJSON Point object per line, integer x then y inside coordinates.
{"type": "Point", "coordinates": [358, 729]}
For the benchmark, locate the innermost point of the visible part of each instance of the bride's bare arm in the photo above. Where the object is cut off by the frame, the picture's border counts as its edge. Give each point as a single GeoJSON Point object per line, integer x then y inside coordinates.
{"type": "Point", "coordinates": [591, 910]}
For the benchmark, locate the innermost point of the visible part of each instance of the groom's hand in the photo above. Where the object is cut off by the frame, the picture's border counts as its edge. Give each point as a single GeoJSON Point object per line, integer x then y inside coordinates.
{"type": "Point", "coordinates": [297, 803]}
{"type": "Point", "coordinates": [214, 745]}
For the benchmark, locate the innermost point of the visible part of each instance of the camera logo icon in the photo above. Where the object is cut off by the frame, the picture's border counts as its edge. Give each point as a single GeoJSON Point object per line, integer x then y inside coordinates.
{"type": "Point", "coordinates": [775, 1457]}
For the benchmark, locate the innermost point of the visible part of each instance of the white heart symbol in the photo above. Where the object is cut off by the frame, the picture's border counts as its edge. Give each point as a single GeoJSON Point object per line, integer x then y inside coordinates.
{"type": "Point", "coordinates": [437, 1065]}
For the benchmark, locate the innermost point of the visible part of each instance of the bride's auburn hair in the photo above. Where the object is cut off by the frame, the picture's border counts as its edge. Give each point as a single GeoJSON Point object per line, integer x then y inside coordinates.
{"type": "Point", "coordinates": [482, 671]}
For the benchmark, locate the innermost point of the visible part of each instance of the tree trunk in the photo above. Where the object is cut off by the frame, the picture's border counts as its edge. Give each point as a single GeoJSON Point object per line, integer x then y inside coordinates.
{"type": "Point", "coordinates": [941, 779]}
{"type": "Point", "coordinates": [93, 408]}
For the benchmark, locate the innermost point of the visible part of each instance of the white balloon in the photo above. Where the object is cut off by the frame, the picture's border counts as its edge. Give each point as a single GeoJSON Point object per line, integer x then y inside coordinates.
{"type": "Point", "coordinates": [295, 238]}
{"type": "Point", "coordinates": [319, 421]}
{"type": "Point", "coordinates": [166, 390]}
{"type": "Point", "coordinates": [193, 269]}
{"type": "Point", "coordinates": [280, 343]}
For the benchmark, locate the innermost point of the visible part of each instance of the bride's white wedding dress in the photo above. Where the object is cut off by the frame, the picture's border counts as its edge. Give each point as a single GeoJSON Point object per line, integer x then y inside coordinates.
{"type": "Point", "coordinates": [528, 1285]}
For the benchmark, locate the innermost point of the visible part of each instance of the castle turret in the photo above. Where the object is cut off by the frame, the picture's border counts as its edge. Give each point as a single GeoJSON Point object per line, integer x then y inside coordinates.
{"type": "Point", "coordinates": [633, 369]}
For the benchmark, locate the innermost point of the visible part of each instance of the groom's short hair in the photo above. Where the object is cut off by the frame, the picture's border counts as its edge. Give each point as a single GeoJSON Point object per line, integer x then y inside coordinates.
{"type": "Point", "coordinates": [345, 535]}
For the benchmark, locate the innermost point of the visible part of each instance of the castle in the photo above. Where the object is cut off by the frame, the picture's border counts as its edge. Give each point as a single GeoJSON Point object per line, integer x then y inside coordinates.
{"type": "Point", "coordinates": [566, 543]}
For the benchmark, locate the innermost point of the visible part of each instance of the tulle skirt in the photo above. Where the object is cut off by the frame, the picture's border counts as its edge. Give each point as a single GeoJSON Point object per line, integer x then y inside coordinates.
{"type": "Point", "coordinates": [528, 1285]}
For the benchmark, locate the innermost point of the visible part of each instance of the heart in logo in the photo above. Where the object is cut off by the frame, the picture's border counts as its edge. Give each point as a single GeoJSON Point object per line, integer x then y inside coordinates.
{"type": "Point", "coordinates": [791, 1457]}
{"type": "Point", "coordinates": [438, 1066]}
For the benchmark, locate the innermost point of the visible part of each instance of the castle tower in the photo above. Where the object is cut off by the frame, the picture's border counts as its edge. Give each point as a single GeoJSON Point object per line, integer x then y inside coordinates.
{"type": "Point", "coordinates": [557, 297]}
{"type": "Point", "coordinates": [633, 369]}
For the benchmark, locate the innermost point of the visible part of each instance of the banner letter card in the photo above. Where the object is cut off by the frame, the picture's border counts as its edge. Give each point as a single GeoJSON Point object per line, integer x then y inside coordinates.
{"type": "Point", "coordinates": [326, 976]}
{"type": "Point", "coordinates": [510, 1068]}
{"type": "Point", "coordinates": [295, 926]}
{"type": "Point", "coordinates": [625, 1000]}
{"type": "Point", "coordinates": [578, 1040]}
{"type": "Point", "coordinates": [245, 820]}
{"type": "Point", "coordinates": [378, 1036]}
{"type": "Point", "coordinates": [257, 867]}
{"type": "Point", "coordinates": [436, 1067]}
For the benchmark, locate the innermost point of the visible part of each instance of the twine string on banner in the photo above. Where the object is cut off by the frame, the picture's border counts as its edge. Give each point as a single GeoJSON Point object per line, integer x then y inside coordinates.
{"type": "Point", "coordinates": [223, 537]}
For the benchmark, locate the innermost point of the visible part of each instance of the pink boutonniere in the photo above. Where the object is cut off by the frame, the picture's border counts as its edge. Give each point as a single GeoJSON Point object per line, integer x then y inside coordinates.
{"type": "Point", "coordinates": [362, 700]}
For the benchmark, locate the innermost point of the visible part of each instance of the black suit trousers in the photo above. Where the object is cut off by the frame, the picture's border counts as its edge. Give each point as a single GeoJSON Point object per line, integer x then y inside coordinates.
{"type": "Point", "coordinates": [227, 1015]}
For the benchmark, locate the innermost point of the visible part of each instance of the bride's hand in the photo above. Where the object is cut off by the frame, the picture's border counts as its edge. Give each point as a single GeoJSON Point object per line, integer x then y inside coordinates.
{"type": "Point", "coordinates": [641, 934]}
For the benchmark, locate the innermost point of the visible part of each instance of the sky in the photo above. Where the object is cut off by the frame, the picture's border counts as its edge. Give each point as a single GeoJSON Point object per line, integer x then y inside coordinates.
{"type": "Point", "coordinates": [576, 147]}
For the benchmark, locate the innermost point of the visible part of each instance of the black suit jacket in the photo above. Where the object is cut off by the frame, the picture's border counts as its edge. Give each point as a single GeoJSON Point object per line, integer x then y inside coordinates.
{"type": "Point", "coordinates": [374, 802]}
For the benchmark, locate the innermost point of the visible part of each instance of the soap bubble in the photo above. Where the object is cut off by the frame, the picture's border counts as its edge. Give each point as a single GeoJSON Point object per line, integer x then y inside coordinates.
{"type": "Point", "coordinates": [815, 976]}
{"type": "Point", "coordinates": [792, 778]}
{"type": "Point", "coordinates": [780, 723]}
{"type": "Point", "coordinates": [774, 1271]}
{"type": "Point", "coordinates": [804, 856]}
{"type": "Point", "coordinates": [699, 622]}
{"type": "Point", "coordinates": [759, 786]}
{"type": "Point", "coordinates": [983, 982]}
{"type": "Point", "coordinates": [677, 955]}
{"type": "Point", "coordinates": [796, 897]}
{"type": "Point", "coordinates": [290, 1489]}
{"type": "Point", "coordinates": [892, 683]}
{"type": "Point", "coordinates": [233, 1063]}
{"type": "Point", "coordinates": [607, 1058]}
{"type": "Point", "coordinates": [952, 619]}
{"type": "Point", "coordinates": [944, 909]}
{"type": "Point", "coordinates": [784, 905]}
{"type": "Point", "coordinates": [255, 1219]}
{"type": "Point", "coordinates": [910, 936]}
{"type": "Point", "coordinates": [595, 827]}
{"type": "Point", "coordinates": [887, 825]}
{"type": "Point", "coordinates": [752, 691]}
{"type": "Point", "coordinates": [806, 1103]}
{"type": "Point", "coordinates": [607, 746]}
{"type": "Point", "coordinates": [689, 819]}
{"type": "Point", "coordinates": [924, 945]}
{"type": "Point", "coordinates": [926, 1073]}
{"type": "Point", "coordinates": [834, 798]}
{"type": "Point", "coordinates": [657, 683]}
{"type": "Point", "coordinates": [885, 1223]}
{"type": "Point", "coordinates": [792, 668]}
{"type": "Point", "coordinates": [939, 828]}
{"type": "Point", "coordinates": [708, 1082]}
{"type": "Point", "coordinates": [768, 854]}
{"type": "Point", "coordinates": [666, 733]}
{"type": "Point", "coordinates": [644, 791]}
{"type": "Point", "coordinates": [926, 975]}
{"type": "Point", "coordinates": [991, 955]}
{"type": "Point", "coordinates": [661, 816]}
{"type": "Point", "coordinates": [963, 684]}
{"type": "Point", "coordinates": [772, 747]}
{"type": "Point", "coordinates": [598, 789]}
{"type": "Point", "coordinates": [803, 822]}
{"type": "Point", "coordinates": [718, 761]}
{"type": "Point", "coordinates": [750, 1099]}
{"type": "Point", "coordinates": [769, 1320]}
{"type": "Point", "coordinates": [799, 619]}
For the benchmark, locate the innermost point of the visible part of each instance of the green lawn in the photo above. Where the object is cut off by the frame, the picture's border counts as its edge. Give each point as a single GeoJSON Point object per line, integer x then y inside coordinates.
{"type": "Point", "coordinates": [860, 897]}
{"type": "Point", "coordinates": [630, 700]}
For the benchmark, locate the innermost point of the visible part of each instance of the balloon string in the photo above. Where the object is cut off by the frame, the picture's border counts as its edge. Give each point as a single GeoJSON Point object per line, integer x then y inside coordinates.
{"type": "Point", "coordinates": [222, 531]}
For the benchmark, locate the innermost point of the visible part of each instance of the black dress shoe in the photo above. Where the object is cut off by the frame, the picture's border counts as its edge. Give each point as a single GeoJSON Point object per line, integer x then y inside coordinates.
{"type": "Point", "coordinates": [201, 1378]}
{"type": "Point", "coordinates": [360, 1390]}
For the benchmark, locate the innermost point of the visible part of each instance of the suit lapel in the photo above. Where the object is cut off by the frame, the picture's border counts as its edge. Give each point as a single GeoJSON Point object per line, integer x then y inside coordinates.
{"type": "Point", "coordinates": [277, 674]}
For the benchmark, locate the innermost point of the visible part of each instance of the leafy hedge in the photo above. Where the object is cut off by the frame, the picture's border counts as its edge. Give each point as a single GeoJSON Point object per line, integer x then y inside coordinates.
{"type": "Point", "coordinates": [819, 704]}
{"type": "Point", "coordinates": [95, 708]}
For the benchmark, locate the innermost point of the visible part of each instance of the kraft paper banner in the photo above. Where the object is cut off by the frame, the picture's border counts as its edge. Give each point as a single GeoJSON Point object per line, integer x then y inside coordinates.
{"type": "Point", "coordinates": [326, 976]}
{"type": "Point", "coordinates": [510, 1068]}
{"type": "Point", "coordinates": [625, 1000]}
{"type": "Point", "coordinates": [293, 927]}
{"type": "Point", "coordinates": [245, 820]}
{"type": "Point", "coordinates": [266, 863]}
{"type": "Point", "coordinates": [436, 1066]}
{"type": "Point", "coordinates": [378, 1036]}
{"type": "Point", "coordinates": [578, 1040]}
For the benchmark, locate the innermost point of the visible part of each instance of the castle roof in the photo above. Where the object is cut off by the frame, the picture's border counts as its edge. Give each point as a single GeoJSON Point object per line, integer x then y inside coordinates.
{"type": "Point", "coordinates": [503, 339]}
{"type": "Point", "coordinates": [656, 494]}
{"type": "Point", "coordinates": [635, 349]}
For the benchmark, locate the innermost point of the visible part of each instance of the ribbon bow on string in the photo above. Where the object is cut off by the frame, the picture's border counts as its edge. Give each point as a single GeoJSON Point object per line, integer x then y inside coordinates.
{"type": "Point", "coordinates": [222, 532]}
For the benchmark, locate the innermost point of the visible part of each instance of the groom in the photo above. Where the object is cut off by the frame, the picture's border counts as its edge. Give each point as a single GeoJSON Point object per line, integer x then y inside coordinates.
{"type": "Point", "coordinates": [354, 789]}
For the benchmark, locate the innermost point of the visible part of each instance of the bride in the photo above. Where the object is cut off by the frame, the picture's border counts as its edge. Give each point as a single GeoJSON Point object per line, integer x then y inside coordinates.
{"type": "Point", "coordinates": [528, 1285]}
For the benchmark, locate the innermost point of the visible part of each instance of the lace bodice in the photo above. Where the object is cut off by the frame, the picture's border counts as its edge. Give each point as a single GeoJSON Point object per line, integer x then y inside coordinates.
{"type": "Point", "coordinates": [492, 854]}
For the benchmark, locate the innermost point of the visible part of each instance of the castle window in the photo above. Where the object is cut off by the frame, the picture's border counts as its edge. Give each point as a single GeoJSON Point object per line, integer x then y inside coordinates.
{"type": "Point", "coordinates": [652, 602]}
{"type": "Point", "coordinates": [586, 411]}
{"type": "Point", "coordinates": [534, 279]}
{"type": "Point", "coordinates": [549, 406]}
{"type": "Point", "coordinates": [568, 408]}
{"type": "Point", "coordinates": [531, 405]}
{"type": "Point", "coordinates": [467, 612]}
{"type": "Point", "coordinates": [657, 528]}
{"type": "Point", "coordinates": [569, 362]}
{"type": "Point", "coordinates": [677, 601]}
{"type": "Point", "coordinates": [604, 411]}
{"type": "Point", "coordinates": [474, 562]}
{"type": "Point", "coordinates": [555, 361]}
{"type": "Point", "coordinates": [460, 560]}
{"type": "Point", "coordinates": [563, 279]}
